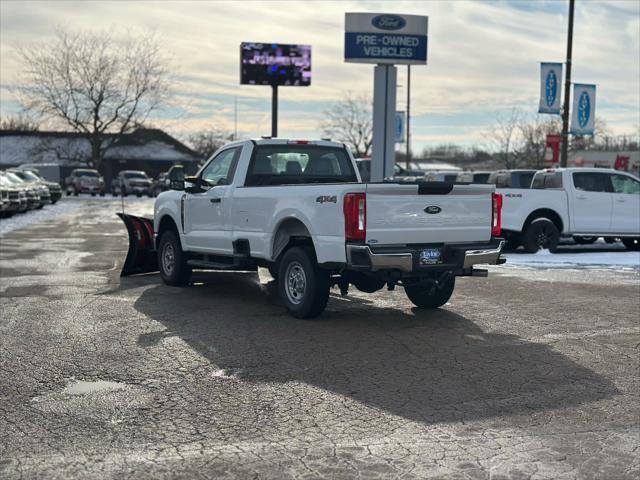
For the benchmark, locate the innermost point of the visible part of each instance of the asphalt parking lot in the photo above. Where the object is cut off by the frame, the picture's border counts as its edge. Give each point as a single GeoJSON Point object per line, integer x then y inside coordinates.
{"type": "Point", "coordinates": [529, 373]}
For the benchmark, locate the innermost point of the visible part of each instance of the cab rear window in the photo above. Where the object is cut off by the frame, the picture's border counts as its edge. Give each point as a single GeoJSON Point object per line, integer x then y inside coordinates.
{"type": "Point", "coordinates": [299, 164]}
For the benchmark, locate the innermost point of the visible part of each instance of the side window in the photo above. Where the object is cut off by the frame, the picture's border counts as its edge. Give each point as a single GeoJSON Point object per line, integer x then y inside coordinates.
{"type": "Point", "coordinates": [553, 180]}
{"type": "Point", "coordinates": [220, 170]}
{"type": "Point", "coordinates": [590, 181]}
{"type": "Point", "coordinates": [501, 181]}
{"type": "Point", "coordinates": [538, 181]}
{"type": "Point", "coordinates": [624, 184]}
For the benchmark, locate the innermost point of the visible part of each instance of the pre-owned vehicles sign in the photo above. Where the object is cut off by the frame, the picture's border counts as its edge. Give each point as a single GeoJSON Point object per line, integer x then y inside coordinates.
{"type": "Point", "coordinates": [385, 38]}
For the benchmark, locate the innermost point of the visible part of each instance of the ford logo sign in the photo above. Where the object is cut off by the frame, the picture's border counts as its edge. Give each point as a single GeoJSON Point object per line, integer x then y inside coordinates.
{"type": "Point", "coordinates": [388, 22]}
{"type": "Point", "coordinates": [551, 88]}
{"type": "Point", "coordinates": [433, 209]}
{"type": "Point", "coordinates": [584, 109]}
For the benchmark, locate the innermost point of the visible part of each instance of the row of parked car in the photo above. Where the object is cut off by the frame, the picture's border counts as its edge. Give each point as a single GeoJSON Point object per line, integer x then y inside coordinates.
{"type": "Point", "coordinates": [541, 207]}
{"type": "Point", "coordinates": [22, 190]}
{"type": "Point", "coordinates": [127, 182]}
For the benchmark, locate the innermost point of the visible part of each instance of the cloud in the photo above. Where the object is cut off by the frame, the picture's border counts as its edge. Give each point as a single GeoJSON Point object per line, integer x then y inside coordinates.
{"type": "Point", "coordinates": [483, 57]}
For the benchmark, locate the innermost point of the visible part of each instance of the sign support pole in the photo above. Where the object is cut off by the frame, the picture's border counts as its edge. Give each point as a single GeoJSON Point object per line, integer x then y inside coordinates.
{"type": "Point", "coordinates": [567, 91]}
{"type": "Point", "coordinates": [274, 111]}
{"type": "Point", "coordinates": [384, 111]}
{"type": "Point", "coordinates": [408, 156]}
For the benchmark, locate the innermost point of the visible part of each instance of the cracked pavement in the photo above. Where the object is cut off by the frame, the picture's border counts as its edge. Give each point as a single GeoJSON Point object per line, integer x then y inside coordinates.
{"type": "Point", "coordinates": [527, 374]}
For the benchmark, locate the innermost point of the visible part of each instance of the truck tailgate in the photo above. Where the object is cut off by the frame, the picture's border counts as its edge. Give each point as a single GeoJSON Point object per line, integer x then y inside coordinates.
{"type": "Point", "coordinates": [428, 213]}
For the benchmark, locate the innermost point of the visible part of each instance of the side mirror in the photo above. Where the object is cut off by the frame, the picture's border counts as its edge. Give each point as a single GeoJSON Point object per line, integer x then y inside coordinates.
{"type": "Point", "coordinates": [176, 177]}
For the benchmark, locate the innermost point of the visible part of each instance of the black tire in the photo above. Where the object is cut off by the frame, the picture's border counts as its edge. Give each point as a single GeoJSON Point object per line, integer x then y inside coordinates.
{"type": "Point", "coordinates": [101, 194]}
{"type": "Point", "coordinates": [585, 240]}
{"type": "Point", "coordinates": [303, 286]}
{"type": "Point", "coordinates": [632, 244]}
{"type": "Point", "coordinates": [541, 233]}
{"type": "Point", "coordinates": [76, 193]}
{"type": "Point", "coordinates": [172, 261]}
{"type": "Point", "coordinates": [429, 297]}
{"type": "Point", "coordinates": [53, 202]}
{"type": "Point", "coordinates": [93, 194]}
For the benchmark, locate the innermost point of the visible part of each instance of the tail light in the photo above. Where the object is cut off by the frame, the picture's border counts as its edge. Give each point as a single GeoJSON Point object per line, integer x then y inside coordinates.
{"type": "Point", "coordinates": [496, 214]}
{"type": "Point", "coordinates": [355, 216]}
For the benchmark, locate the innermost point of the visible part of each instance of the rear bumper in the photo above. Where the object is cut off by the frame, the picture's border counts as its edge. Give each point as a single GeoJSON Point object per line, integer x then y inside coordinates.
{"type": "Point", "coordinates": [407, 258]}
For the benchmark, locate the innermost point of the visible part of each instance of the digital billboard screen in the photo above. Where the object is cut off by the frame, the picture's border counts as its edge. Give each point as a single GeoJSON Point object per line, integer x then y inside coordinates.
{"type": "Point", "coordinates": [275, 64]}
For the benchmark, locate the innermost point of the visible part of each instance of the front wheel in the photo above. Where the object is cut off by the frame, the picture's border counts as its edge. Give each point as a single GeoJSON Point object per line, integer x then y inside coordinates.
{"type": "Point", "coordinates": [172, 260]}
{"type": "Point", "coordinates": [632, 244]}
{"type": "Point", "coordinates": [303, 286]}
{"type": "Point", "coordinates": [431, 296]}
{"type": "Point", "coordinates": [541, 233]}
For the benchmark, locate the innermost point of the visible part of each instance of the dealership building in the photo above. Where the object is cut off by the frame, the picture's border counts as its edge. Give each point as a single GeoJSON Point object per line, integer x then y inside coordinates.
{"type": "Point", "coordinates": [148, 149]}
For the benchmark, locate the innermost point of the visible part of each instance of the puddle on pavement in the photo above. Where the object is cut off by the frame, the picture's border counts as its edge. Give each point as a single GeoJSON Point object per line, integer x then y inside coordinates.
{"type": "Point", "coordinates": [102, 400]}
{"type": "Point", "coordinates": [80, 387]}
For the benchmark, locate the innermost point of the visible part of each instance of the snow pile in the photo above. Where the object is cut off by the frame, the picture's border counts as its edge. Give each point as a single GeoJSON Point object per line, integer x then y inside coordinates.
{"type": "Point", "coordinates": [21, 220]}
{"type": "Point", "coordinates": [598, 255]}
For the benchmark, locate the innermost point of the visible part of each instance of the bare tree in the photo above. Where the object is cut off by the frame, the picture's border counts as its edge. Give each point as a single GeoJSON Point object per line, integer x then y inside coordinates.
{"type": "Point", "coordinates": [534, 138]}
{"type": "Point", "coordinates": [20, 123]}
{"type": "Point", "coordinates": [94, 84]}
{"type": "Point", "coordinates": [206, 143]}
{"type": "Point", "coordinates": [505, 139]}
{"type": "Point", "coordinates": [350, 121]}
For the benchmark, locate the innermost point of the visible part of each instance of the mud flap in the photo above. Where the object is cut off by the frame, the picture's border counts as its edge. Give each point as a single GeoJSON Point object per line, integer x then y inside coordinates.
{"type": "Point", "coordinates": [142, 256]}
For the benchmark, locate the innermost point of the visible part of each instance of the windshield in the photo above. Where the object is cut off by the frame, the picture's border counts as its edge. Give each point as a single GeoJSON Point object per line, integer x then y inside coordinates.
{"type": "Point", "coordinates": [141, 175]}
{"type": "Point", "coordinates": [13, 178]}
{"type": "Point", "coordinates": [299, 164]}
{"type": "Point", "coordinates": [86, 173]}
{"type": "Point", "coordinates": [28, 176]}
{"type": "Point", "coordinates": [34, 174]}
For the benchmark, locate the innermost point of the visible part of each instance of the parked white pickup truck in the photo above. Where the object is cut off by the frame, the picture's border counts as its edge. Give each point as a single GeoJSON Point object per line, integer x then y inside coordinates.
{"type": "Point", "coordinates": [299, 209]}
{"type": "Point", "coordinates": [583, 203]}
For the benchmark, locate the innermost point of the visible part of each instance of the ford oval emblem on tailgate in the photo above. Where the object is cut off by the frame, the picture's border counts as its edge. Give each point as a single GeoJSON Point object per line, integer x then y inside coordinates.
{"type": "Point", "coordinates": [433, 209]}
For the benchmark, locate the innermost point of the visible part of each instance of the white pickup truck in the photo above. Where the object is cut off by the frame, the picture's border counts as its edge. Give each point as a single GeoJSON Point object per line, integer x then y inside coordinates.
{"type": "Point", "coordinates": [583, 203]}
{"type": "Point", "coordinates": [299, 209]}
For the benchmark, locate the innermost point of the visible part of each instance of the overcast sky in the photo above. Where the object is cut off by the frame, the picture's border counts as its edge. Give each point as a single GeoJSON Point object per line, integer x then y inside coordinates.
{"type": "Point", "coordinates": [483, 58]}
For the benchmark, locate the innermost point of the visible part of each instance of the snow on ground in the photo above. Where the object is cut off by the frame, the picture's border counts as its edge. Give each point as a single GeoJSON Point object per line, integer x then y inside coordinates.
{"type": "Point", "coordinates": [598, 255]}
{"type": "Point", "coordinates": [21, 220]}
{"type": "Point", "coordinates": [65, 205]}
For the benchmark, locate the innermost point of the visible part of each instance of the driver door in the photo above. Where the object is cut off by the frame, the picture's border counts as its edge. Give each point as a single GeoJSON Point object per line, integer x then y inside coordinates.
{"type": "Point", "coordinates": [206, 216]}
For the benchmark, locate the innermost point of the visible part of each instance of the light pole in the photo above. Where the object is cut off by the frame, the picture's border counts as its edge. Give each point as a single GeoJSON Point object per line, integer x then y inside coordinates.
{"type": "Point", "coordinates": [408, 156]}
{"type": "Point", "coordinates": [567, 91]}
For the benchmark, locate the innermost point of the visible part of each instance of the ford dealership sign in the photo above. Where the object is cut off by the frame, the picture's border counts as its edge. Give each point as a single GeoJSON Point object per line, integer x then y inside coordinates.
{"type": "Point", "coordinates": [584, 109]}
{"type": "Point", "coordinates": [550, 75]}
{"type": "Point", "coordinates": [388, 22]}
{"type": "Point", "coordinates": [385, 38]}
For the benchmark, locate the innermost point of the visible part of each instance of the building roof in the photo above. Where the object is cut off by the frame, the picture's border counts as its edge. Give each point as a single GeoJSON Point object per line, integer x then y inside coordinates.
{"type": "Point", "coordinates": [71, 148]}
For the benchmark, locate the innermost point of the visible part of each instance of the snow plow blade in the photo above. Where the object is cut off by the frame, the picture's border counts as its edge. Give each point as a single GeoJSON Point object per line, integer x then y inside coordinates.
{"type": "Point", "coordinates": [142, 256]}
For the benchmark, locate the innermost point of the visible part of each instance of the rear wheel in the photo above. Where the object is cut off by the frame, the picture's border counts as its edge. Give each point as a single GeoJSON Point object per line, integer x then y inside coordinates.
{"type": "Point", "coordinates": [172, 260]}
{"type": "Point", "coordinates": [541, 233]}
{"type": "Point", "coordinates": [632, 244]}
{"type": "Point", "coordinates": [430, 296]}
{"type": "Point", "coordinates": [303, 286]}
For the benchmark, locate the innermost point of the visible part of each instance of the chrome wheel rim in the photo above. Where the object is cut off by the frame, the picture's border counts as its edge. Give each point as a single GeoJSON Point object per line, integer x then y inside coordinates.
{"type": "Point", "coordinates": [168, 259]}
{"type": "Point", "coordinates": [295, 283]}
